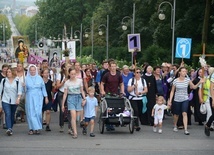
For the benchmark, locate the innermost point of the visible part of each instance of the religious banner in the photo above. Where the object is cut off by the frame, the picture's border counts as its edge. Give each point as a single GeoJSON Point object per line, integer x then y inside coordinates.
{"type": "Point", "coordinates": [21, 44]}
{"type": "Point", "coordinates": [54, 58]}
{"type": "Point", "coordinates": [33, 59]}
{"type": "Point", "coordinates": [71, 46]}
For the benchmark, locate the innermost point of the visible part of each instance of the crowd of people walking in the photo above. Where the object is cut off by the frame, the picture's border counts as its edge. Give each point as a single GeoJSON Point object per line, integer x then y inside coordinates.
{"type": "Point", "coordinates": [32, 93]}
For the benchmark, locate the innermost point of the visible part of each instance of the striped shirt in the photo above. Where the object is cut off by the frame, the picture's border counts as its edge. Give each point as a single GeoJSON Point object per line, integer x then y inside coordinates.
{"type": "Point", "coordinates": [181, 87]}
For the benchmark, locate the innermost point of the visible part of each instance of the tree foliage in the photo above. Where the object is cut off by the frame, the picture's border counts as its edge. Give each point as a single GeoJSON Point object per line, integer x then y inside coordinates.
{"type": "Point", "coordinates": [4, 23]}
{"type": "Point", "coordinates": [156, 35]}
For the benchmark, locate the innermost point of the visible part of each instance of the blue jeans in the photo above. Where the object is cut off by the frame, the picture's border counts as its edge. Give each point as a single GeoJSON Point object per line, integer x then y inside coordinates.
{"type": "Point", "coordinates": [9, 110]}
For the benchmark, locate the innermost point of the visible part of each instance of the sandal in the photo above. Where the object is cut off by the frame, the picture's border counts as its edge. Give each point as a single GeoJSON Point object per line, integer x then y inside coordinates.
{"type": "Point", "coordinates": [37, 132]}
{"type": "Point", "coordinates": [30, 132]}
{"type": "Point", "coordinates": [74, 136]}
{"type": "Point", "coordinates": [22, 120]}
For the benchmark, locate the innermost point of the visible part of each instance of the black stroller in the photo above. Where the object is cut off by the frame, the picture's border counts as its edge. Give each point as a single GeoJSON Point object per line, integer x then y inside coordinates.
{"type": "Point", "coordinates": [116, 111]}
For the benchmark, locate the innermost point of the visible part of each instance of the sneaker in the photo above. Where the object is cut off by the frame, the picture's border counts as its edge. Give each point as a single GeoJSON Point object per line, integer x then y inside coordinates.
{"type": "Point", "coordinates": [70, 131]}
{"type": "Point", "coordinates": [207, 131]}
{"type": "Point", "coordinates": [154, 129]}
{"type": "Point", "coordinates": [82, 123]}
{"type": "Point", "coordinates": [112, 128]}
{"type": "Point", "coordinates": [160, 131]}
{"type": "Point", "coordinates": [137, 128]}
{"type": "Point", "coordinates": [47, 128]}
{"type": "Point", "coordinates": [9, 132]}
{"type": "Point", "coordinates": [186, 132]}
{"type": "Point", "coordinates": [175, 129]}
{"type": "Point", "coordinates": [84, 131]}
{"type": "Point", "coordinates": [18, 118]}
{"type": "Point", "coordinates": [92, 135]}
{"type": "Point", "coordinates": [108, 128]}
{"type": "Point", "coordinates": [61, 129]}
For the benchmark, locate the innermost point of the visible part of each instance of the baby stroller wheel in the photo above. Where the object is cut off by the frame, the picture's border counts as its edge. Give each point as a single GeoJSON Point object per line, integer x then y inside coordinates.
{"type": "Point", "coordinates": [131, 126]}
{"type": "Point", "coordinates": [101, 124]}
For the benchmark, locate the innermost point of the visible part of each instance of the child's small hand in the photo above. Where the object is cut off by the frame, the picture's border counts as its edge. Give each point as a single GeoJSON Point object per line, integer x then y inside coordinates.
{"type": "Point", "coordinates": [168, 107]}
{"type": "Point", "coordinates": [83, 102]}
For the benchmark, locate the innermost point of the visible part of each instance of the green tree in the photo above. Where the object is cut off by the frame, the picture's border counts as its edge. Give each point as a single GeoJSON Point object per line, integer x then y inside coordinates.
{"type": "Point", "coordinates": [4, 22]}
{"type": "Point", "coordinates": [156, 35]}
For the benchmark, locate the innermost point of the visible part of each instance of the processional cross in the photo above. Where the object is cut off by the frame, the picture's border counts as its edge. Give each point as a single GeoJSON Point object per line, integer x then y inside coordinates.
{"type": "Point", "coordinates": [203, 57]}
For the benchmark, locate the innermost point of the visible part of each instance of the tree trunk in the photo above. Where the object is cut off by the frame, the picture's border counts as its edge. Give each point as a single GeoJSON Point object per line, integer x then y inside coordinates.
{"type": "Point", "coordinates": [206, 21]}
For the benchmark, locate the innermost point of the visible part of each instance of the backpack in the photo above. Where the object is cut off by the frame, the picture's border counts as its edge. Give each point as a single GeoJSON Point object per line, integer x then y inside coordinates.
{"type": "Point", "coordinates": [142, 80]}
{"type": "Point", "coordinates": [132, 83]}
{"type": "Point", "coordinates": [17, 84]}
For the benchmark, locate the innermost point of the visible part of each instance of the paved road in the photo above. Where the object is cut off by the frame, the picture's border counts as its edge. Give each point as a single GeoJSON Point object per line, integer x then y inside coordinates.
{"type": "Point", "coordinates": [118, 142]}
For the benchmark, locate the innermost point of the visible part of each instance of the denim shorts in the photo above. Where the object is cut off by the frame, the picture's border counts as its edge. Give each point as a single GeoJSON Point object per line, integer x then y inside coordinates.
{"type": "Point", "coordinates": [74, 102]}
{"type": "Point", "coordinates": [87, 119]}
{"type": "Point", "coordinates": [180, 107]}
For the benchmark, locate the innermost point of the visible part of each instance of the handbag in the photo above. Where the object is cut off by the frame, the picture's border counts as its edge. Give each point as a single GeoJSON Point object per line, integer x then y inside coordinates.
{"type": "Point", "coordinates": [203, 108]}
{"type": "Point", "coordinates": [191, 95]}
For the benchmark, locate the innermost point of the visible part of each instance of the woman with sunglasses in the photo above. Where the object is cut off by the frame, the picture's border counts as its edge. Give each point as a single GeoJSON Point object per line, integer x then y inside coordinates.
{"type": "Point", "coordinates": [137, 88]}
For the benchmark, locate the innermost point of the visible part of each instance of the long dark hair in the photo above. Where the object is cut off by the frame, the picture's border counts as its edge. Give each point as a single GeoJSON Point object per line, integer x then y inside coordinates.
{"type": "Point", "coordinates": [63, 69]}
{"type": "Point", "coordinates": [69, 70]}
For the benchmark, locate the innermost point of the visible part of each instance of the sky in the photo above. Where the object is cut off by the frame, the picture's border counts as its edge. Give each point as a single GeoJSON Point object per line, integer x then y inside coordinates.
{"type": "Point", "coordinates": [18, 2]}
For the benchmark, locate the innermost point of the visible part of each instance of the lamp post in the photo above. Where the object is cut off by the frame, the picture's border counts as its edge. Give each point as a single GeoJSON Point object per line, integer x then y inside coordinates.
{"type": "Point", "coordinates": [67, 38]}
{"type": "Point", "coordinates": [59, 39]}
{"type": "Point", "coordinates": [35, 34]}
{"type": "Point", "coordinates": [50, 41]}
{"type": "Point", "coordinates": [80, 34]}
{"type": "Point", "coordinates": [161, 16]}
{"type": "Point", "coordinates": [87, 31]}
{"type": "Point", "coordinates": [107, 33]}
{"type": "Point", "coordinates": [3, 26]}
{"type": "Point", "coordinates": [124, 26]}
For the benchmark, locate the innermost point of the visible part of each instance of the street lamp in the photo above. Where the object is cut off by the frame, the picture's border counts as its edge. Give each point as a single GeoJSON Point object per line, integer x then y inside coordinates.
{"type": "Point", "coordinates": [59, 39]}
{"type": "Point", "coordinates": [67, 38]}
{"type": "Point", "coordinates": [3, 26]}
{"type": "Point", "coordinates": [161, 16]}
{"type": "Point", "coordinates": [124, 26]}
{"type": "Point", "coordinates": [80, 34]}
{"type": "Point", "coordinates": [35, 43]}
{"type": "Point", "coordinates": [87, 31]}
{"type": "Point", "coordinates": [50, 41]}
{"type": "Point", "coordinates": [107, 31]}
